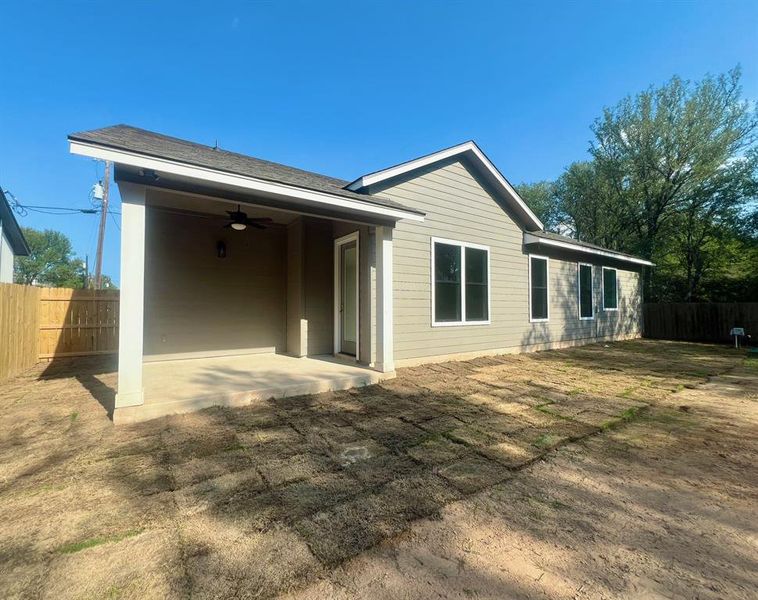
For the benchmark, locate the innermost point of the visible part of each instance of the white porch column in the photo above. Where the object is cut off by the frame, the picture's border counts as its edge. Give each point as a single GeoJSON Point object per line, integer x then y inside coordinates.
{"type": "Point", "coordinates": [132, 307]}
{"type": "Point", "coordinates": [385, 361]}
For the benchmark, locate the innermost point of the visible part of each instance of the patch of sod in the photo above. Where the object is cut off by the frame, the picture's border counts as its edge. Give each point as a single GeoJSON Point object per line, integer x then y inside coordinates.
{"type": "Point", "coordinates": [474, 473]}
{"type": "Point", "coordinates": [630, 414]}
{"type": "Point", "coordinates": [545, 440]}
{"type": "Point", "coordinates": [96, 541]}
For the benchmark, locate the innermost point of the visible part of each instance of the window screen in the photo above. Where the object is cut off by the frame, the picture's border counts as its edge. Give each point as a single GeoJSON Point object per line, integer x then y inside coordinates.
{"type": "Point", "coordinates": [447, 282]}
{"type": "Point", "coordinates": [538, 283]}
{"type": "Point", "coordinates": [476, 285]}
{"type": "Point", "coordinates": [585, 291]}
{"type": "Point", "coordinates": [610, 289]}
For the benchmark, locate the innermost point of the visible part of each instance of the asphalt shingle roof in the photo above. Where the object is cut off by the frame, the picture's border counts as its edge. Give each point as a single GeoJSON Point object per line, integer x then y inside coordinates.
{"type": "Point", "coordinates": [141, 141]}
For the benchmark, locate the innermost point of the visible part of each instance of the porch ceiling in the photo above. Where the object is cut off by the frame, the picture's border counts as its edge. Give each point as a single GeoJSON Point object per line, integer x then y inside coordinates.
{"type": "Point", "coordinates": [192, 204]}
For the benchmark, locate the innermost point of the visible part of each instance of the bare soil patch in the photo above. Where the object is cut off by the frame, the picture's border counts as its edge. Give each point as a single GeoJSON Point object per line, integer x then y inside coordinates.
{"type": "Point", "coordinates": [603, 471]}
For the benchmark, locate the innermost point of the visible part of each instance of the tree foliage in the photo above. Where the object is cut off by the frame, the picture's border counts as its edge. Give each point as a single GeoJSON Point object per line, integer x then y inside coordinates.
{"type": "Point", "coordinates": [51, 261]}
{"type": "Point", "coordinates": [673, 177]}
{"type": "Point", "coordinates": [540, 198]}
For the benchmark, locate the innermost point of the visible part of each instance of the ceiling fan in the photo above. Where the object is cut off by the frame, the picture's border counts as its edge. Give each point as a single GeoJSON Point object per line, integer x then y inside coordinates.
{"type": "Point", "coordinates": [239, 220]}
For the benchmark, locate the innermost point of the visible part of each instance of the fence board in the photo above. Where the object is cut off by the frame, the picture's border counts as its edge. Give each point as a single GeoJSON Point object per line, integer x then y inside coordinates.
{"type": "Point", "coordinates": [19, 325]}
{"type": "Point", "coordinates": [78, 322]}
{"type": "Point", "coordinates": [699, 321]}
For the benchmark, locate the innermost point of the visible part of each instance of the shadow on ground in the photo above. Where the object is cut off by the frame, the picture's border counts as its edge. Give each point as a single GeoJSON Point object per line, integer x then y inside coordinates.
{"type": "Point", "coordinates": [259, 500]}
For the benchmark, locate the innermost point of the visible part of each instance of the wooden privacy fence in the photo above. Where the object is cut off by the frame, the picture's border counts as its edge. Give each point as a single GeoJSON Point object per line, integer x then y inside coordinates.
{"type": "Point", "coordinates": [699, 321]}
{"type": "Point", "coordinates": [45, 323]}
{"type": "Point", "coordinates": [19, 328]}
{"type": "Point", "coordinates": [77, 322]}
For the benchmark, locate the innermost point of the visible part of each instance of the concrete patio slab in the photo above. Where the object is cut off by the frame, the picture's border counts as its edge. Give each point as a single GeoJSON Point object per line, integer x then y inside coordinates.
{"type": "Point", "coordinates": [180, 386]}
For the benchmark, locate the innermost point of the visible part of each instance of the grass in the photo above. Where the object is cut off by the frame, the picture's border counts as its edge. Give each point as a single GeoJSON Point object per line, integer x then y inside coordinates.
{"type": "Point", "coordinates": [96, 541]}
{"type": "Point", "coordinates": [627, 393]}
{"type": "Point", "coordinates": [630, 414]}
{"type": "Point", "coordinates": [544, 441]}
{"type": "Point", "coordinates": [429, 441]}
{"type": "Point", "coordinates": [545, 408]}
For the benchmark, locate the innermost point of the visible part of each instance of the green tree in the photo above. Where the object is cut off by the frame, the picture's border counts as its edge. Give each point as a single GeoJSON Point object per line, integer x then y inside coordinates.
{"type": "Point", "coordinates": [663, 151]}
{"type": "Point", "coordinates": [584, 199]}
{"type": "Point", "coordinates": [51, 261]}
{"type": "Point", "coordinates": [708, 226]}
{"type": "Point", "coordinates": [540, 197]}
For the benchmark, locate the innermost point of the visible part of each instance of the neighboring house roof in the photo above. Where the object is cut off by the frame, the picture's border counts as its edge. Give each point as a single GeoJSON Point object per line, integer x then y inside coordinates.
{"type": "Point", "coordinates": [11, 228]}
{"type": "Point", "coordinates": [477, 158]}
{"type": "Point", "coordinates": [148, 143]}
{"type": "Point", "coordinates": [561, 241]}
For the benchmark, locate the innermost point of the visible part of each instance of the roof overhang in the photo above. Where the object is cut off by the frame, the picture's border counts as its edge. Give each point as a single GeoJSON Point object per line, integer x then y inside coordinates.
{"type": "Point", "coordinates": [568, 245]}
{"type": "Point", "coordinates": [237, 182]}
{"type": "Point", "coordinates": [476, 157]}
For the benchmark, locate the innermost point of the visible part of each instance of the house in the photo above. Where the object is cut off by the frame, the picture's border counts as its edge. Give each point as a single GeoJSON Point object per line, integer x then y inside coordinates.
{"type": "Point", "coordinates": [242, 278]}
{"type": "Point", "coordinates": [12, 241]}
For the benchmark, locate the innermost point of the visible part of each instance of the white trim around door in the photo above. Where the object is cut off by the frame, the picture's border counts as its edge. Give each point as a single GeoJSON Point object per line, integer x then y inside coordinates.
{"type": "Point", "coordinates": [338, 243]}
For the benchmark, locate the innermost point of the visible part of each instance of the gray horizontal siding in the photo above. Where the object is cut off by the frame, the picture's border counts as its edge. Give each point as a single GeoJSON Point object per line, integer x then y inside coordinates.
{"type": "Point", "coordinates": [459, 208]}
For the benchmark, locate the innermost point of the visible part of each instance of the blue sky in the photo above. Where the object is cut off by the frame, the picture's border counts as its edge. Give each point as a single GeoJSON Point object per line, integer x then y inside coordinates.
{"type": "Point", "coordinates": [341, 88]}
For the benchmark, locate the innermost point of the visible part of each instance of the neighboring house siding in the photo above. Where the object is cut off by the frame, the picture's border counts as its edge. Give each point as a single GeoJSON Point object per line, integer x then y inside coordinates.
{"type": "Point", "coordinates": [199, 304]}
{"type": "Point", "coordinates": [6, 259]}
{"type": "Point", "coordinates": [458, 207]}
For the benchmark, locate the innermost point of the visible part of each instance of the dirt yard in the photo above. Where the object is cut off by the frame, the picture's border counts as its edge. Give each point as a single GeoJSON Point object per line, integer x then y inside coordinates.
{"type": "Point", "coordinates": [609, 471]}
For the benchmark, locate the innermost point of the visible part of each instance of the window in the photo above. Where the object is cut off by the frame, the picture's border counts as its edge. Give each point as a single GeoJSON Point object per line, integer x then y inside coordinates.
{"type": "Point", "coordinates": [610, 289]}
{"type": "Point", "coordinates": [477, 308]}
{"type": "Point", "coordinates": [460, 286]}
{"type": "Point", "coordinates": [538, 289]}
{"type": "Point", "coordinates": [585, 291]}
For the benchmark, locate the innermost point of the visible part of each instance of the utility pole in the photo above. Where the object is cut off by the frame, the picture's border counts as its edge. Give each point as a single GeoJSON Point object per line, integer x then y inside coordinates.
{"type": "Point", "coordinates": [101, 232]}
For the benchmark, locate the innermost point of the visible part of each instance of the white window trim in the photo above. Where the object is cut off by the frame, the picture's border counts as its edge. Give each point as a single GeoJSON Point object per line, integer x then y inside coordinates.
{"type": "Point", "coordinates": [338, 243]}
{"type": "Point", "coordinates": [547, 281]}
{"type": "Point", "coordinates": [617, 288]}
{"type": "Point", "coordinates": [462, 246]}
{"type": "Point", "coordinates": [579, 266]}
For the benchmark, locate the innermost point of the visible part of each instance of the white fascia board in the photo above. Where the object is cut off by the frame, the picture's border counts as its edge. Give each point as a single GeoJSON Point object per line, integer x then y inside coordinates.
{"type": "Point", "coordinates": [429, 159]}
{"type": "Point", "coordinates": [533, 239]}
{"type": "Point", "coordinates": [240, 181]}
{"type": "Point", "coordinates": [411, 165]}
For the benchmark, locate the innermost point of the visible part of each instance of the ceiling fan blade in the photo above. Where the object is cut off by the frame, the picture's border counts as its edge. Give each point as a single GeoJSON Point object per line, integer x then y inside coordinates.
{"type": "Point", "coordinates": [256, 225]}
{"type": "Point", "coordinates": [260, 220]}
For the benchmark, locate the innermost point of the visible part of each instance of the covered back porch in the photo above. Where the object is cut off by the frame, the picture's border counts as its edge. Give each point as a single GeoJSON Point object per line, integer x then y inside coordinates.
{"type": "Point", "coordinates": [298, 301]}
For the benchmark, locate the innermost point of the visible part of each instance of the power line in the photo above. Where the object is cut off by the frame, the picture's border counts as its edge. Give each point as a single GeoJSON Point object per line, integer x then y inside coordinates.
{"type": "Point", "coordinates": [53, 210]}
{"type": "Point", "coordinates": [113, 218]}
{"type": "Point", "coordinates": [23, 209]}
